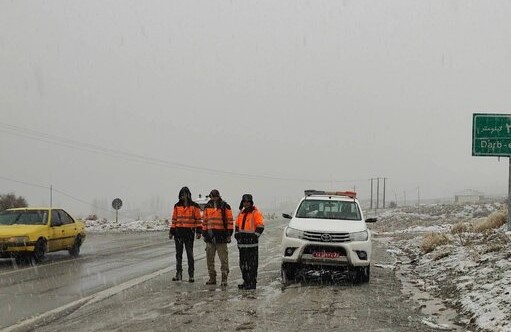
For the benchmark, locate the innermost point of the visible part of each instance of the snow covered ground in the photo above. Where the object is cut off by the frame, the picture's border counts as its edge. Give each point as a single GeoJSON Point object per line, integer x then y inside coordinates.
{"type": "Point", "coordinates": [472, 272]}
{"type": "Point", "coordinates": [126, 225]}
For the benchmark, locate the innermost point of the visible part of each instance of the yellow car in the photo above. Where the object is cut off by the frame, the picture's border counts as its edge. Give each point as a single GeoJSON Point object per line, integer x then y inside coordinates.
{"type": "Point", "coordinates": [36, 231]}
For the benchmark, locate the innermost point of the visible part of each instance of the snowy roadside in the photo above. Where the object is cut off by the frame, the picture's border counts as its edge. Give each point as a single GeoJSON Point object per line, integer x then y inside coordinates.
{"type": "Point", "coordinates": [131, 225]}
{"type": "Point", "coordinates": [471, 272]}
{"type": "Point", "coordinates": [125, 225]}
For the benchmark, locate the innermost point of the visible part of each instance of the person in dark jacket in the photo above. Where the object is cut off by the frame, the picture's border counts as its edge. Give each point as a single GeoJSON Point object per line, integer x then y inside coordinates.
{"type": "Point", "coordinates": [217, 229]}
{"type": "Point", "coordinates": [249, 227]}
{"type": "Point", "coordinates": [185, 226]}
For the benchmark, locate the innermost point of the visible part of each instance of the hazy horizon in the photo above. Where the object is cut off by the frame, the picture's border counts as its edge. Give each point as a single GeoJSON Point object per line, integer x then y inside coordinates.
{"type": "Point", "coordinates": [106, 99]}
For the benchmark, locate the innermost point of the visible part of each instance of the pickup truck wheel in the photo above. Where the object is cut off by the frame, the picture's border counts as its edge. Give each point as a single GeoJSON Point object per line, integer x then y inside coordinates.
{"type": "Point", "coordinates": [288, 272]}
{"type": "Point", "coordinates": [363, 275]}
{"type": "Point", "coordinates": [74, 251]}
{"type": "Point", "coordinates": [39, 251]}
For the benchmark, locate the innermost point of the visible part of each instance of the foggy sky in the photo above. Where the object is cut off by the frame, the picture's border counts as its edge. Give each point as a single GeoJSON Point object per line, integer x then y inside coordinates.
{"type": "Point", "coordinates": [253, 95]}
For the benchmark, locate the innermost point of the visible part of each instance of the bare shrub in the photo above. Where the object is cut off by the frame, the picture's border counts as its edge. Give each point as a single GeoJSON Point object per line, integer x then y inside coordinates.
{"type": "Point", "coordinates": [432, 241]}
{"type": "Point", "coordinates": [462, 227]}
{"type": "Point", "coordinates": [462, 231]}
{"type": "Point", "coordinates": [493, 247]}
{"type": "Point", "coordinates": [441, 255]}
{"type": "Point", "coordinates": [493, 221]}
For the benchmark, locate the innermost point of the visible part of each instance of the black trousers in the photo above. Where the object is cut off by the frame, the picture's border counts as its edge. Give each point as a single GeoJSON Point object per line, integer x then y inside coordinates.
{"type": "Point", "coordinates": [187, 243]}
{"type": "Point", "coordinates": [249, 261]}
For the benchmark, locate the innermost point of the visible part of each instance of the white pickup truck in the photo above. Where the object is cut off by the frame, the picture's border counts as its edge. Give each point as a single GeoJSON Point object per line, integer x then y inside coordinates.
{"type": "Point", "coordinates": [327, 231]}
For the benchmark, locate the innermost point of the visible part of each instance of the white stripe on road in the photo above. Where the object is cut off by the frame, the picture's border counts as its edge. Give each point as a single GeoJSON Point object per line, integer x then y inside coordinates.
{"type": "Point", "coordinates": [111, 251]}
{"type": "Point", "coordinates": [51, 315]}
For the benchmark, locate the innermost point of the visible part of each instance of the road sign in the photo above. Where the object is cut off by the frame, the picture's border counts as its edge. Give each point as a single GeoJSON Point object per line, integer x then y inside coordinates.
{"type": "Point", "coordinates": [117, 203]}
{"type": "Point", "coordinates": [491, 135]}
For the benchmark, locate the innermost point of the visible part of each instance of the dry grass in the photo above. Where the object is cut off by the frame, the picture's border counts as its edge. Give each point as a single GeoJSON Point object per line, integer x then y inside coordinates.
{"type": "Point", "coordinates": [462, 227]}
{"type": "Point", "coordinates": [432, 241]}
{"type": "Point", "coordinates": [441, 255]}
{"type": "Point", "coordinates": [493, 221]}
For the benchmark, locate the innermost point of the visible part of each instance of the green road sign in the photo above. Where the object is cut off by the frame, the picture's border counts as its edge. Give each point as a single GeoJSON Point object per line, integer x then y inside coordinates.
{"type": "Point", "coordinates": [491, 135]}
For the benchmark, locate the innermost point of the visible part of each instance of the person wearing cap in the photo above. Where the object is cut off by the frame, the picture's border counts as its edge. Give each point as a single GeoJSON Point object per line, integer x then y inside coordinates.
{"type": "Point", "coordinates": [186, 224]}
{"type": "Point", "coordinates": [217, 229]}
{"type": "Point", "coordinates": [249, 227]}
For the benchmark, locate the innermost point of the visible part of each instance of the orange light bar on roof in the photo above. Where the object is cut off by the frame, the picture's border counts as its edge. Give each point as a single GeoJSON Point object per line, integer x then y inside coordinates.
{"type": "Point", "coordinates": [350, 194]}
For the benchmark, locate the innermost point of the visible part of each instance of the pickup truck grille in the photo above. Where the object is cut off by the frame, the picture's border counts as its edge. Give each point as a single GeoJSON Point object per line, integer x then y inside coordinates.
{"type": "Point", "coordinates": [326, 237]}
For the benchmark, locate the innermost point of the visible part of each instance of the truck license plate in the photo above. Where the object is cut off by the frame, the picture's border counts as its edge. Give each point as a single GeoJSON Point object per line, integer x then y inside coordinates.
{"type": "Point", "coordinates": [324, 254]}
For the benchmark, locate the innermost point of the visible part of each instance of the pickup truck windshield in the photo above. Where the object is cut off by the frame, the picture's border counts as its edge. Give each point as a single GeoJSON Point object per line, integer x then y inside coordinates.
{"type": "Point", "coordinates": [329, 209]}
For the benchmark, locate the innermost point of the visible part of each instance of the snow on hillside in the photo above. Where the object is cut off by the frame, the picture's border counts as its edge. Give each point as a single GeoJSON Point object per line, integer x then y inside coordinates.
{"type": "Point", "coordinates": [472, 273]}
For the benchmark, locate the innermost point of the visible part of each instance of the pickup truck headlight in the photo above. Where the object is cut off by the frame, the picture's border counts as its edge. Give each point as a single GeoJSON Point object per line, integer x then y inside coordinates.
{"type": "Point", "coordinates": [359, 236]}
{"type": "Point", "coordinates": [293, 233]}
{"type": "Point", "coordinates": [18, 239]}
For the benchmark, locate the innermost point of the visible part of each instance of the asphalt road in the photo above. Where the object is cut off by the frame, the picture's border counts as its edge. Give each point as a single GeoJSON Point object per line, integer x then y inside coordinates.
{"type": "Point", "coordinates": [106, 260]}
{"type": "Point", "coordinates": [159, 304]}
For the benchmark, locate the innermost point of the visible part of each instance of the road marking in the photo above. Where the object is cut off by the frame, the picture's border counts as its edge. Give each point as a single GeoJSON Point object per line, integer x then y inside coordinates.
{"type": "Point", "coordinates": [66, 260]}
{"type": "Point", "coordinates": [54, 314]}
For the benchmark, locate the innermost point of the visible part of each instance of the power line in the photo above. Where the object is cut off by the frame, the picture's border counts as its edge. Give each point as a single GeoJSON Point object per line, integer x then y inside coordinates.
{"type": "Point", "coordinates": [25, 183]}
{"type": "Point", "coordinates": [62, 141]}
{"type": "Point", "coordinates": [56, 190]}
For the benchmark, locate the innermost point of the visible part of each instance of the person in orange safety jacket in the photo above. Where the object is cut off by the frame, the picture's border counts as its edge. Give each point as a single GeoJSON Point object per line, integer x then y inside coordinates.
{"type": "Point", "coordinates": [217, 229]}
{"type": "Point", "coordinates": [249, 227]}
{"type": "Point", "coordinates": [185, 226]}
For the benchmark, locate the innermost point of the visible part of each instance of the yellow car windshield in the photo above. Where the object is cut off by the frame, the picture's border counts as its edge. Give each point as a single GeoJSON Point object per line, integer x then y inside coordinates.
{"type": "Point", "coordinates": [24, 217]}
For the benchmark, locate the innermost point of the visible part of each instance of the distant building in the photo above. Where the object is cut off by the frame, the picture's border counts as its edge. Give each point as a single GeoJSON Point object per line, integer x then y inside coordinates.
{"type": "Point", "coordinates": [468, 196]}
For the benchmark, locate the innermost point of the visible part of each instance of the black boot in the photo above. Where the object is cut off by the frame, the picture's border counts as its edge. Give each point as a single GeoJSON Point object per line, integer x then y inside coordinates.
{"type": "Point", "coordinates": [224, 279]}
{"type": "Point", "coordinates": [190, 277]}
{"type": "Point", "coordinates": [178, 277]}
{"type": "Point", "coordinates": [250, 286]}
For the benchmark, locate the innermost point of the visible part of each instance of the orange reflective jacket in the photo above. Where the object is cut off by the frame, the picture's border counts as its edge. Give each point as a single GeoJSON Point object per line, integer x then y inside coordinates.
{"type": "Point", "coordinates": [216, 225]}
{"type": "Point", "coordinates": [186, 217]}
{"type": "Point", "coordinates": [249, 226]}
{"type": "Point", "coordinates": [248, 222]}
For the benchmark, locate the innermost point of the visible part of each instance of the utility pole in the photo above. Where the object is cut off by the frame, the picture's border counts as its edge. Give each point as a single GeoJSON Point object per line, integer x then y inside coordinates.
{"type": "Point", "coordinates": [51, 196]}
{"type": "Point", "coordinates": [384, 180]}
{"type": "Point", "coordinates": [377, 193]}
{"type": "Point", "coordinates": [404, 193]}
{"type": "Point", "coordinates": [509, 198]}
{"type": "Point", "coordinates": [371, 205]}
{"type": "Point", "coordinates": [419, 199]}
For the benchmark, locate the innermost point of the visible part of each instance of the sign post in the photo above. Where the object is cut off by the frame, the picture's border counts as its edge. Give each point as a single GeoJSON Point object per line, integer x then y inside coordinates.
{"type": "Point", "coordinates": [491, 137]}
{"type": "Point", "coordinates": [116, 204]}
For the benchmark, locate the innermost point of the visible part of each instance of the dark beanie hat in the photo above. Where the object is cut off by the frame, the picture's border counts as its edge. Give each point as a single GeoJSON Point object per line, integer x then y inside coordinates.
{"type": "Point", "coordinates": [214, 193]}
{"type": "Point", "coordinates": [246, 197]}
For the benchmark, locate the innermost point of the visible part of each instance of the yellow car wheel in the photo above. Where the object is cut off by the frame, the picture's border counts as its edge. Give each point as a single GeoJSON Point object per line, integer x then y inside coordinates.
{"type": "Point", "coordinates": [39, 250]}
{"type": "Point", "coordinates": [75, 249]}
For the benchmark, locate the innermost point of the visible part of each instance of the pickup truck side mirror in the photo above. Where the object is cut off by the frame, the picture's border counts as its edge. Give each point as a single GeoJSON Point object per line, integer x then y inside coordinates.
{"type": "Point", "coordinates": [287, 216]}
{"type": "Point", "coordinates": [371, 219]}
